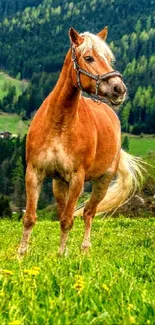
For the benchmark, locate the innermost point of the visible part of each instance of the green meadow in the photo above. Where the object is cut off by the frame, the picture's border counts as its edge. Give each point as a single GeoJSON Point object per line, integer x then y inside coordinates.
{"type": "Point", "coordinates": [13, 123]}
{"type": "Point", "coordinates": [6, 82]}
{"type": "Point", "coordinates": [141, 146]}
{"type": "Point", "coordinates": [113, 284]}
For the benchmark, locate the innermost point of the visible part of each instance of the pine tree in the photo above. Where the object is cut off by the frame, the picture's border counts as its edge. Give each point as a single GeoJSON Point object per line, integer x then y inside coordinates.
{"type": "Point", "coordinates": [125, 143]}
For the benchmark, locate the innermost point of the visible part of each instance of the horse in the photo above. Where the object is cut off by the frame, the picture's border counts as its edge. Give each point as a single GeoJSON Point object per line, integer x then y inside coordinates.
{"type": "Point", "coordinates": [73, 139]}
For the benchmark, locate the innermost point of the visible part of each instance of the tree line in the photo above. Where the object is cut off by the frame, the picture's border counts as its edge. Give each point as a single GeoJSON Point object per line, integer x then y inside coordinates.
{"type": "Point", "coordinates": [34, 41]}
{"type": "Point", "coordinates": [12, 180]}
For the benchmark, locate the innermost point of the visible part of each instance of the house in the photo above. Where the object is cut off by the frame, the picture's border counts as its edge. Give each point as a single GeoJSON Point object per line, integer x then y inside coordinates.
{"type": "Point", "coordinates": [5, 135]}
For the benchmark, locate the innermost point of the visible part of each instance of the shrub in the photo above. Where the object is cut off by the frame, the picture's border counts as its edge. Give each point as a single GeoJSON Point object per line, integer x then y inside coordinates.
{"type": "Point", "coordinates": [5, 210]}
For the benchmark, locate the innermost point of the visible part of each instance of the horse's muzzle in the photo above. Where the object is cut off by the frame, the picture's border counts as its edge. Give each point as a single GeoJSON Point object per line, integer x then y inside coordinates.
{"type": "Point", "coordinates": [115, 90]}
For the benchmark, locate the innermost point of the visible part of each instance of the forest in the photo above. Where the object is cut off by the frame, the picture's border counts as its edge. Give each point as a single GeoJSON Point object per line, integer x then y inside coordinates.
{"type": "Point", "coordinates": [33, 44]}
{"type": "Point", "coordinates": [34, 41]}
{"type": "Point", "coordinates": [114, 282]}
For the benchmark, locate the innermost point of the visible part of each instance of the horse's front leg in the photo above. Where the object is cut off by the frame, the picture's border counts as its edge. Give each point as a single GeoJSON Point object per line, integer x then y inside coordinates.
{"type": "Point", "coordinates": [67, 216]}
{"type": "Point", "coordinates": [99, 190]}
{"type": "Point", "coordinates": [60, 191]}
{"type": "Point", "coordinates": [33, 185]}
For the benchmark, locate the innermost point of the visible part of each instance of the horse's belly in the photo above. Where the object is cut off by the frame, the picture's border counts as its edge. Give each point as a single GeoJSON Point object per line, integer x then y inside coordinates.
{"type": "Point", "coordinates": [96, 171]}
{"type": "Point", "coordinates": [105, 155]}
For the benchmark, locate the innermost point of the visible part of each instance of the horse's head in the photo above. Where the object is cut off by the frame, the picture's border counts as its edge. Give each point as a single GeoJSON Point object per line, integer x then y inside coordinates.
{"type": "Point", "coordinates": [93, 71]}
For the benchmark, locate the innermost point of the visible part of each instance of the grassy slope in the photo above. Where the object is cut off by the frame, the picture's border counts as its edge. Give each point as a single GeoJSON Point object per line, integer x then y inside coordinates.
{"type": "Point", "coordinates": [116, 278]}
{"type": "Point", "coordinates": [6, 82]}
{"type": "Point", "coordinates": [13, 124]}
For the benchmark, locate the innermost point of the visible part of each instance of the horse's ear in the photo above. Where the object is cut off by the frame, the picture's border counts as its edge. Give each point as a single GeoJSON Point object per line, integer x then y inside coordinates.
{"type": "Point", "coordinates": [103, 33]}
{"type": "Point", "coordinates": [74, 36]}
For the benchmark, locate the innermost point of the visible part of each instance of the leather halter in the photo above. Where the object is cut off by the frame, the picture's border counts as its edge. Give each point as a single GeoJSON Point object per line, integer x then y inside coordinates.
{"type": "Point", "coordinates": [98, 78]}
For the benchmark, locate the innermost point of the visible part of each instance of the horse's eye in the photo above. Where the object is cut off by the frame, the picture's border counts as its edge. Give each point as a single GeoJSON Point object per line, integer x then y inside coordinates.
{"type": "Point", "coordinates": [89, 59]}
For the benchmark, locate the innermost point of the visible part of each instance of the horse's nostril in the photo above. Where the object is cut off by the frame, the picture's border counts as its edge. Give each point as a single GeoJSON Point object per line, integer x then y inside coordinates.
{"type": "Point", "coordinates": [117, 89]}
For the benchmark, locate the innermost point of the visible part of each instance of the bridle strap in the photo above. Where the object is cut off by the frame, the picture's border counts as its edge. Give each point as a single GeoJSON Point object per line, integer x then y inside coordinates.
{"type": "Point", "coordinates": [98, 78]}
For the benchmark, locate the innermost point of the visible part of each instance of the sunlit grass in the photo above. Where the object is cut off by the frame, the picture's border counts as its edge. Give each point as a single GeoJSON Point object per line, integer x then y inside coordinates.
{"type": "Point", "coordinates": [113, 284]}
{"type": "Point", "coordinates": [6, 82]}
{"type": "Point", "coordinates": [13, 123]}
{"type": "Point", "coordinates": [141, 146]}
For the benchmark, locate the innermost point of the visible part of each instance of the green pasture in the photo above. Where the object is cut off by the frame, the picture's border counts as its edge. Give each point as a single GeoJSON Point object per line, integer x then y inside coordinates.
{"type": "Point", "coordinates": [141, 146]}
{"type": "Point", "coordinates": [113, 284]}
{"type": "Point", "coordinates": [13, 123]}
{"type": "Point", "coordinates": [6, 82]}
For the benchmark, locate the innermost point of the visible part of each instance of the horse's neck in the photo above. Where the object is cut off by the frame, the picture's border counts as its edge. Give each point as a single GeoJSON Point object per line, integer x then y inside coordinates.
{"type": "Point", "coordinates": [65, 96]}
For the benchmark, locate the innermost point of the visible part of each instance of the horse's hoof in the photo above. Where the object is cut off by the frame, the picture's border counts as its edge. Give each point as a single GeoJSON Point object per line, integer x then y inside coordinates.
{"type": "Point", "coordinates": [21, 252]}
{"type": "Point", "coordinates": [63, 252]}
{"type": "Point", "coordinates": [86, 245]}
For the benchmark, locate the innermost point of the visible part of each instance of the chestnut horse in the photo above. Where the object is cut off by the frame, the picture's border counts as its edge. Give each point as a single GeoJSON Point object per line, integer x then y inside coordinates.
{"type": "Point", "coordinates": [73, 138]}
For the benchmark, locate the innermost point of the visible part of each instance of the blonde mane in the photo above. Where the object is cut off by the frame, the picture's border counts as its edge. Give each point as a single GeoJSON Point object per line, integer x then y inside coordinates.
{"type": "Point", "coordinates": [92, 41]}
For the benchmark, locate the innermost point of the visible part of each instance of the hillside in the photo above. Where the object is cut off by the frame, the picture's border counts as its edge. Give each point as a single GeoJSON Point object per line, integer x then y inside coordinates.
{"type": "Point", "coordinates": [13, 123]}
{"type": "Point", "coordinates": [34, 41]}
{"type": "Point", "coordinates": [7, 83]}
{"type": "Point", "coordinates": [40, 33]}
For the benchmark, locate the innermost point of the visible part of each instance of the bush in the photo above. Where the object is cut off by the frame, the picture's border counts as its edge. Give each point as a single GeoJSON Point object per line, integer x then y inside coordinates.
{"type": "Point", "coordinates": [138, 129]}
{"type": "Point", "coordinates": [5, 210]}
{"type": "Point", "coordinates": [125, 143]}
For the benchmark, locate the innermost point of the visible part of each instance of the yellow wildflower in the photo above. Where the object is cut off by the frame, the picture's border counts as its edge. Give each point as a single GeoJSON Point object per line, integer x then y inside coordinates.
{"type": "Point", "coordinates": [31, 272]}
{"type": "Point", "coordinates": [105, 287]}
{"type": "Point", "coordinates": [79, 284]}
{"type": "Point", "coordinates": [7, 272]}
{"type": "Point", "coordinates": [16, 322]}
{"type": "Point", "coordinates": [132, 320]}
{"type": "Point", "coordinates": [148, 322]}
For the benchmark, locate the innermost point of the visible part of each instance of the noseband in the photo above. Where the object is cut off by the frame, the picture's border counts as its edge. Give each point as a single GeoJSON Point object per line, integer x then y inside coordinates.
{"type": "Point", "coordinates": [97, 78]}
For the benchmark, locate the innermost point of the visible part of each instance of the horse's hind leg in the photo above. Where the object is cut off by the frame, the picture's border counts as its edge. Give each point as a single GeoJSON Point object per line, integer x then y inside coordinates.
{"type": "Point", "coordinates": [99, 190]}
{"type": "Point", "coordinates": [33, 185]}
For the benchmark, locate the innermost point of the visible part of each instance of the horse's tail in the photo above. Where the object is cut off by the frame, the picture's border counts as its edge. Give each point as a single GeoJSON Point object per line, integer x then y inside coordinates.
{"type": "Point", "coordinates": [128, 180]}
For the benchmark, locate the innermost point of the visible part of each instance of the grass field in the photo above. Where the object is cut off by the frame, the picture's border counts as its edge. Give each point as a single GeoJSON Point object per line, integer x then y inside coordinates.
{"type": "Point", "coordinates": [6, 82]}
{"type": "Point", "coordinates": [13, 124]}
{"type": "Point", "coordinates": [141, 146]}
{"type": "Point", "coordinates": [113, 284]}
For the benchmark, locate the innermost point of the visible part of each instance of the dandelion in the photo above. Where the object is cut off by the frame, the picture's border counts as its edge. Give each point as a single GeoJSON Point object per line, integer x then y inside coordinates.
{"type": "Point", "coordinates": [79, 284]}
{"type": "Point", "coordinates": [7, 272]}
{"type": "Point", "coordinates": [16, 322]}
{"type": "Point", "coordinates": [132, 320]}
{"type": "Point", "coordinates": [31, 272]}
{"type": "Point", "coordinates": [105, 287]}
